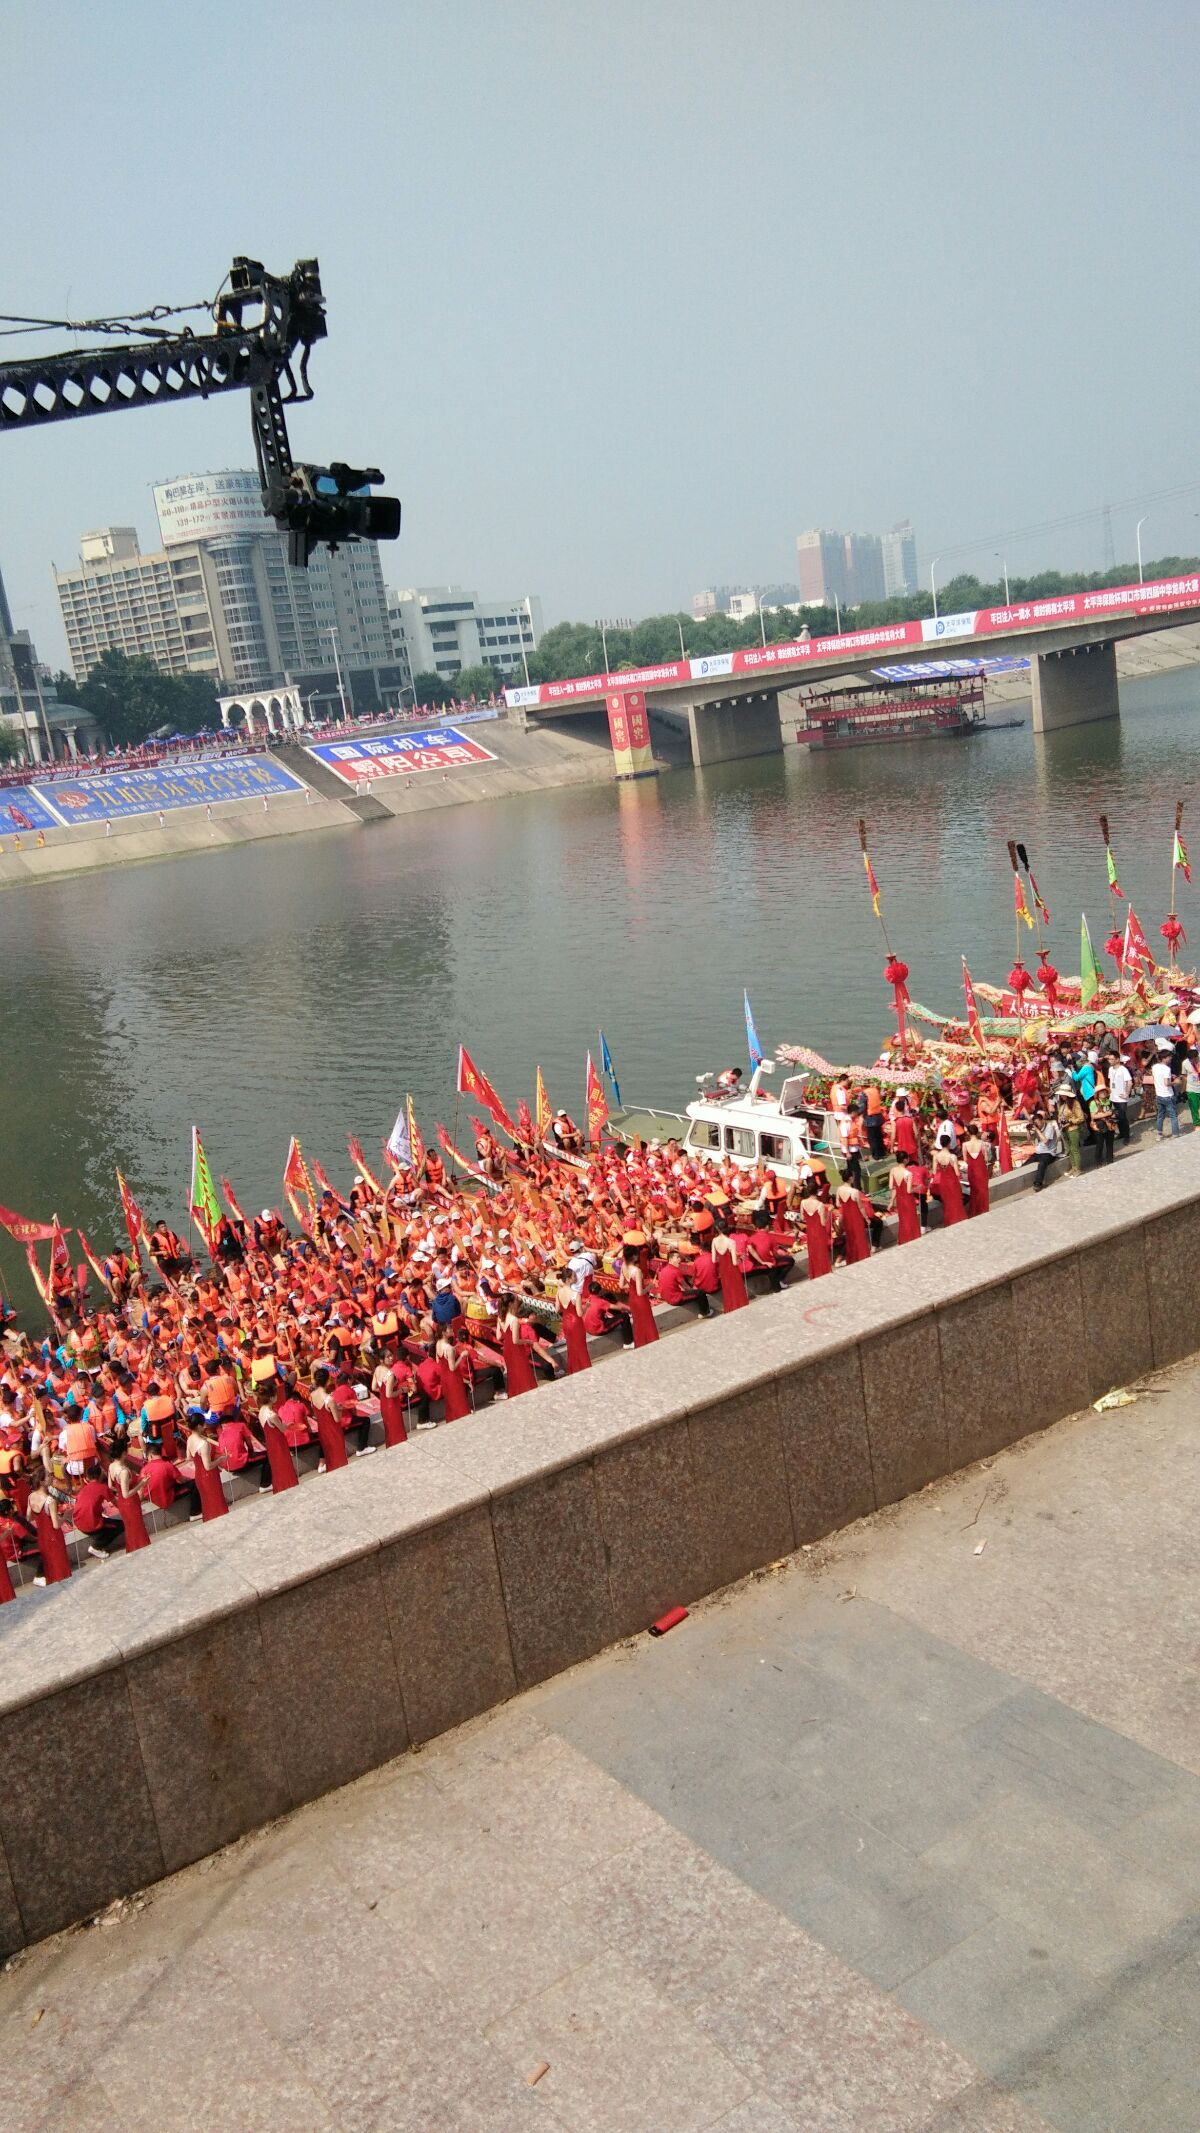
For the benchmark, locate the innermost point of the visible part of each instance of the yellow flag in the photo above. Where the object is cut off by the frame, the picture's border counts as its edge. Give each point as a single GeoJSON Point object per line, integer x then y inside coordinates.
{"type": "Point", "coordinates": [544, 1113]}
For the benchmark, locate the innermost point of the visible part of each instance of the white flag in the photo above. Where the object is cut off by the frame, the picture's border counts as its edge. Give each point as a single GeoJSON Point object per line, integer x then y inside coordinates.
{"type": "Point", "coordinates": [399, 1142]}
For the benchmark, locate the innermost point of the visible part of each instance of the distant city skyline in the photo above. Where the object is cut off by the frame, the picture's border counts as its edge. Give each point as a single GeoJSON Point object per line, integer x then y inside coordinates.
{"type": "Point", "coordinates": [593, 346]}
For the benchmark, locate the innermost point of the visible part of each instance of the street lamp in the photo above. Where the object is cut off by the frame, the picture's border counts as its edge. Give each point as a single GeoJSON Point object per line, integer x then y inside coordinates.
{"type": "Point", "coordinates": [331, 633]}
{"type": "Point", "coordinates": [1004, 567]}
{"type": "Point", "coordinates": [933, 583]}
{"type": "Point", "coordinates": [762, 620]}
{"type": "Point", "coordinates": [837, 609]}
{"type": "Point", "coordinates": [1141, 522]}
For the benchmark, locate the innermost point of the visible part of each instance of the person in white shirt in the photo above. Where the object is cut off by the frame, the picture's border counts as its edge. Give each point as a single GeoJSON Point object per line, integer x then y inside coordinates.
{"type": "Point", "coordinates": [1120, 1089]}
{"type": "Point", "coordinates": [1191, 1086]}
{"type": "Point", "coordinates": [1165, 1106]}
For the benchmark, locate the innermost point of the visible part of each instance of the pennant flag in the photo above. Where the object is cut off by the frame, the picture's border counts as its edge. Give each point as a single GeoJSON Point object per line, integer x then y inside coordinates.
{"type": "Point", "coordinates": [1022, 908]}
{"type": "Point", "coordinates": [973, 1023]}
{"type": "Point", "coordinates": [361, 1164]}
{"type": "Point", "coordinates": [38, 1278]}
{"type": "Point", "coordinates": [471, 1082]}
{"type": "Point", "coordinates": [597, 1103]}
{"type": "Point", "coordinates": [1091, 976]}
{"type": "Point", "coordinates": [1110, 862]}
{"type": "Point", "coordinates": [203, 1204]}
{"type": "Point", "coordinates": [60, 1257]}
{"type": "Point", "coordinates": [872, 884]}
{"type": "Point", "coordinates": [525, 1126]}
{"type": "Point", "coordinates": [399, 1145]}
{"type": "Point", "coordinates": [1137, 949]}
{"type": "Point", "coordinates": [92, 1261]}
{"type": "Point", "coordinates": [1038, 900]}
{"type": "Point", "coordinates": [23, 1230]}
{"type": "Point", "coordinates": [1004, 1159]}
{"type": "Point", "coordinates": [231, 1203]}
{"type": "Point", "coordinates": [543, 1113]}
{"type": "Point", "coordinates": [1179, 857]}
{"type": "Point", "coordinates": [455, 1154]}
{"type": "Point", "coordinates": [756, 1050]}
{"type": "Point", "coordinates": [608, 1068]}
{"type": "Point", "coordinates": [325, 1185]}
{"type": "Point", "coordinates": [135, 1220]}
{"type": "Point", "coordinates": [296, 1180]}
{"type": "Point", "coordinates": [414, 1138]}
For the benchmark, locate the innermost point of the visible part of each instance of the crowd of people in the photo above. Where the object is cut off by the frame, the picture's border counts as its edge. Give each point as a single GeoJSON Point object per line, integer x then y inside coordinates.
{"type": "Point", "coordinates": [401, 1306]}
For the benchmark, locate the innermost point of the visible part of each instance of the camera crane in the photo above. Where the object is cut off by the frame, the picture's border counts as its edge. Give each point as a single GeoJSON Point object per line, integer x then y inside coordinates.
{"type": "Point", "coordinates": [264, 328]}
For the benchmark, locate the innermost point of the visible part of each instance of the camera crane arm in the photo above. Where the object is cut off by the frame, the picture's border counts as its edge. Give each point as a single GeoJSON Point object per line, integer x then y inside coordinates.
{"type": "Point", "coordinates": [267, 356]}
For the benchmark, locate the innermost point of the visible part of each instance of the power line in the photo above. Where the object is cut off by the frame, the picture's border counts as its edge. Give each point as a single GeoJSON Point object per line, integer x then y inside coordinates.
{"type": "Point", "coordinates": [1077, 518]}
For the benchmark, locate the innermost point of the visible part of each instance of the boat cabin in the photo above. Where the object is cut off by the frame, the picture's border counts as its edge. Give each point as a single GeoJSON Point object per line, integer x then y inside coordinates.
{"type": "Point", "coordinates": [754, 1125]}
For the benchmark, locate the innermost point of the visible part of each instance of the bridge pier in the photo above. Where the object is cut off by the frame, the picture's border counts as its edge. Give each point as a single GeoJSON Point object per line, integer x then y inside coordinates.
{"type": "Point", "coordinates": [1073, 688]}
{"type": "Point", "coordinates": [737, 726]}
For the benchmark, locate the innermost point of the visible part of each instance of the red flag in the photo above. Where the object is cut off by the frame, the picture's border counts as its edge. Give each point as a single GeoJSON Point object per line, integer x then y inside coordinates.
{"type": "Point", "coordinates": [25, 1231]}
{"type": "Point", "coordinates": [526, 1130]}
{"type": "Point", "coordinates": [1037, 897]}
{"type": "Point", "coordinates": [414, 1138]}
{"type": "Point", "coordinates": [324, 1183]}
{"type": "Point", "coordinates": [1003, 1145]}
{"type": "Point", "coordinates": [135, 1220]}
{"type": "Point", "coordinates": [231, 1203]}
{"type": "Point", "coordinates": [455, 1154]}
{"type": "Point", "coordinates": [60, 1257]}
{"type": "Point", "coordinates": [39, 1279]}
{"type": "Point", "coordinates": [597, 1103]}
{"type": "Point", "coordinates": [472, 1083]}
{"type": "Point", "coordinates": [296, 1179]}
{"type": "Point", "coordinates": [973, 1023]}
{"type": "Point", "coordinates": [361, 1165]}
{"type": "Point", "coordinates": [92, 1261]}
{"type": "Point", "coordinates": [1137, 950]}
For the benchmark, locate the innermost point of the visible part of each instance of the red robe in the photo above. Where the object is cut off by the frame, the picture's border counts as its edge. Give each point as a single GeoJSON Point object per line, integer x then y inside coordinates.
{"type": "Point", "coordinates": [978, 1194]}
{"type": "Point", "coordinates": [575, 1339]}
{"type": "Point", "coordinates": [854, 1230]}
{"type": "Point", "coordinates": [908, 1212]}
{"type": "Point", "coordinates": [948, 1189]}
{"type": "Point", "coordinates": [816, 1239]}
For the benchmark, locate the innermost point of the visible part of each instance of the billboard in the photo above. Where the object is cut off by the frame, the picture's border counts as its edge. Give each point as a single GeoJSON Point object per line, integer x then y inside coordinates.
{"type": "Point", "coordinates": [22, 809]}
{"type": "Point", "coordinates": [400, 754]}
{"type": "Point", "coordinates": [115, 794]}
{"type": "Point", "coordinates": [206, 507]}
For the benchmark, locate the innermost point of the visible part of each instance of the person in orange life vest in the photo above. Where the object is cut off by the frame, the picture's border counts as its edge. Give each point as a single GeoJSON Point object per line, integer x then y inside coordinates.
{"type": "Point", "coordinates": [77, 1443]}
{"type": "Point", "coordinates": [87, 1516]}
{"type": "Point", "coordinates": [220, 1391]}
{"type": "Point", "coordinates": [874, 1123]}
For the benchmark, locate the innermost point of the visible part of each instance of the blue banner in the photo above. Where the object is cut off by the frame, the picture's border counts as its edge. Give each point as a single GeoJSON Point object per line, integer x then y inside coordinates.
{"type": "Point", "coordinates": [119, 793]}
{"type": "Point", "coordinates": [21, 809]}
{"type": "Point", "coordinates": [387, 755]}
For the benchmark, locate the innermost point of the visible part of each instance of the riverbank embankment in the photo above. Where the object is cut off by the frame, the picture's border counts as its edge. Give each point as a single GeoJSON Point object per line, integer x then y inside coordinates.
{"type": "Point", "coordinates": [522, 762]}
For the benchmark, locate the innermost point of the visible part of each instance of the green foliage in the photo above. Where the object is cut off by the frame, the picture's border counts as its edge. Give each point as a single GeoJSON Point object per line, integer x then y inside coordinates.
{"type": "Point", "coordinates": [12, 747]}
{"type": "Point", "coordinates": [475, 681]}
{"type": "Point", "coordinates": [132, 698]}
{"type": "Point", "coordinates": [429, 688]}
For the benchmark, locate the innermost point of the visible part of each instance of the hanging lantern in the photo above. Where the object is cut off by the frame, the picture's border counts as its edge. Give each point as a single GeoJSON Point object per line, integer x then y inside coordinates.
{"type": "Point", "coordinates": [896, 974]}
{"type": "Point", "coordinates": [1019, 981]}
{"type": "Point", "coordinates": [1115, 946]}
{"type": "Point", "coordinates": [1172, 933]}
{"type": "Point", "coordinates": [1048, 979]}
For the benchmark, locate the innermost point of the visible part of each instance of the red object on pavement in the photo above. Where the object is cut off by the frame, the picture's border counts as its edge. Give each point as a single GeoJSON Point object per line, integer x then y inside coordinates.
{"type": "Point", "coordinates": [671, 1620]}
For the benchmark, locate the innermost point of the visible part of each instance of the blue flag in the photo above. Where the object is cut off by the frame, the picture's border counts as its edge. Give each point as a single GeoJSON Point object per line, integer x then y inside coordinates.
{"type": "Point", "coordinates": [609, 1069]}
{"type": "Point", "coordinates": [756, 1050]}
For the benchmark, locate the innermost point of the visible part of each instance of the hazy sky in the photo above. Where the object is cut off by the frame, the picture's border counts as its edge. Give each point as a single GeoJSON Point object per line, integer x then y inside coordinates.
{"type": "Point", "coordinates": [624, 293]}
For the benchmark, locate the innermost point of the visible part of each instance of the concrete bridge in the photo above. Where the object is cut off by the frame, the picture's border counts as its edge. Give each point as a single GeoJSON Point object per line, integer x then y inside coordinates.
{"type": "Point", "coordinates": [728, 702]}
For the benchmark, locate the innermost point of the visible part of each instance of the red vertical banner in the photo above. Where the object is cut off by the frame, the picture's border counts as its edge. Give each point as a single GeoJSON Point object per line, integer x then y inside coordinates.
{"type": "Point", "coordinates": [629, 731]}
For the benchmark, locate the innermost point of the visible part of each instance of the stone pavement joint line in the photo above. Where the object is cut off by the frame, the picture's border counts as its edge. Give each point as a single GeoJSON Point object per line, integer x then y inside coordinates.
{"type": "Point", "coordinates": [897, 1838]}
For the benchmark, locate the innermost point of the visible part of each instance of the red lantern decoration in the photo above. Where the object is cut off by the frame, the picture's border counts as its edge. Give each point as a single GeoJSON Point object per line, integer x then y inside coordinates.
{"type": "Point", "coordinates": [1172, 933]}
{"type": "Point", "coordinates": [1048, 977]}
{"type": "Point", "coordinates": [896, 974]}
{"type": "Point", "coordinates": [1019, 982]}
{"type": "Point", "coordinates": [1115, 946]}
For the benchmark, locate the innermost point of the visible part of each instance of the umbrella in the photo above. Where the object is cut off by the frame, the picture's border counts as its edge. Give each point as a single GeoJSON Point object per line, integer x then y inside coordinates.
{"type": "Point", "coordinates": [1152, 1031]}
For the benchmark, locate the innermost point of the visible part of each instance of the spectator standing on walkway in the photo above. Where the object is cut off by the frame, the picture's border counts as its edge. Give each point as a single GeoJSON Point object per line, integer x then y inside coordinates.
{"type": "Point", "coordinates": [1165, 1106]}
{"type": "Point", "coordinates": [1071, 1120]}
{"type": "Point", "coordinates": [1104, 1123]}
{"type": "Point", "coordinates": [1120, 1090]}
{"type": "Point", "coordinates": [1191, 1086]}
{"type": "Point", "coordinates": [1047, 1148]}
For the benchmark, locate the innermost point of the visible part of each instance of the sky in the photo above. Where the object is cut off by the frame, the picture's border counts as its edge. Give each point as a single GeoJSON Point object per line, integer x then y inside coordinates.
{"type": "Point", "coordinates": [623, 296]}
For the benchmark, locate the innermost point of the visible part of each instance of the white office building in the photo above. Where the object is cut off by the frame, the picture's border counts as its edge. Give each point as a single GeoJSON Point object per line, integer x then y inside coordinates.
{"type": "Point", "coordinates": [440, 629]}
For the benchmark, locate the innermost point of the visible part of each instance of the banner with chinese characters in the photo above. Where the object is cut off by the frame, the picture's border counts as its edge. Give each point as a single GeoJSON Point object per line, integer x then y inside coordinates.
{"type": "Point", "coordinates": [394, 755]}
{"type": "Point", "coordinates": [629, 731]}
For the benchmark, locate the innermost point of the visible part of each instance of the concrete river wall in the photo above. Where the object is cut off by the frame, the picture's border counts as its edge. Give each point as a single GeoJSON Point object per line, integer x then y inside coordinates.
{"type": "Point", "coordinates": [151, 1712]}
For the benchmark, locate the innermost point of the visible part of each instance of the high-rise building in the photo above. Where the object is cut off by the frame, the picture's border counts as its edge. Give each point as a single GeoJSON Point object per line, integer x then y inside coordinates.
{"type": "Point", "coordinates": [846, 568]}
{"type": "Point", "coordinates": [440, 629]}
{"type": "Point", "coordinates": [220, 598]}
{"type": "Point", "coordinates": [29, 705]}
{"type": "Point", "coordinates": [900, 561]}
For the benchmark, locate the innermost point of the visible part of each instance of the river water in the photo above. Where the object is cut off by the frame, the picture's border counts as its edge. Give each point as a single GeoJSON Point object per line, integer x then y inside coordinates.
{"type": "Point", "coordinates": [303, 985]}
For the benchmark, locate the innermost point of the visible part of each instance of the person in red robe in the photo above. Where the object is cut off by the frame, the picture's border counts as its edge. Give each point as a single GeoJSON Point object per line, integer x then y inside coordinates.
{"type": "Point", "coordinates": [853, 1210]}
{"type": "Point", "coordinates": [519, 1374]}
{"type": "Point", "coordinates": [975, 1155]}
{"type": "Point", "coordinates": [818, 1232]}
{"type": "Point", "coordinates": [906, 1204]}
{"type": "Point", "coordinates": [733, 1281]}
{"type": "Point", "coordinates": [574, 1337]}
{"type": "Point", "coordinates": [947, 1185]}
{"type": "Point", "coordinates": [641, 1310]}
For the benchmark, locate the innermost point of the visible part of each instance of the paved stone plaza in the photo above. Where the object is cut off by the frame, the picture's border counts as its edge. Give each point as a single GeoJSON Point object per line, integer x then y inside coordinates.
{"type": "Point", "coordinates": [903, 1834]}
